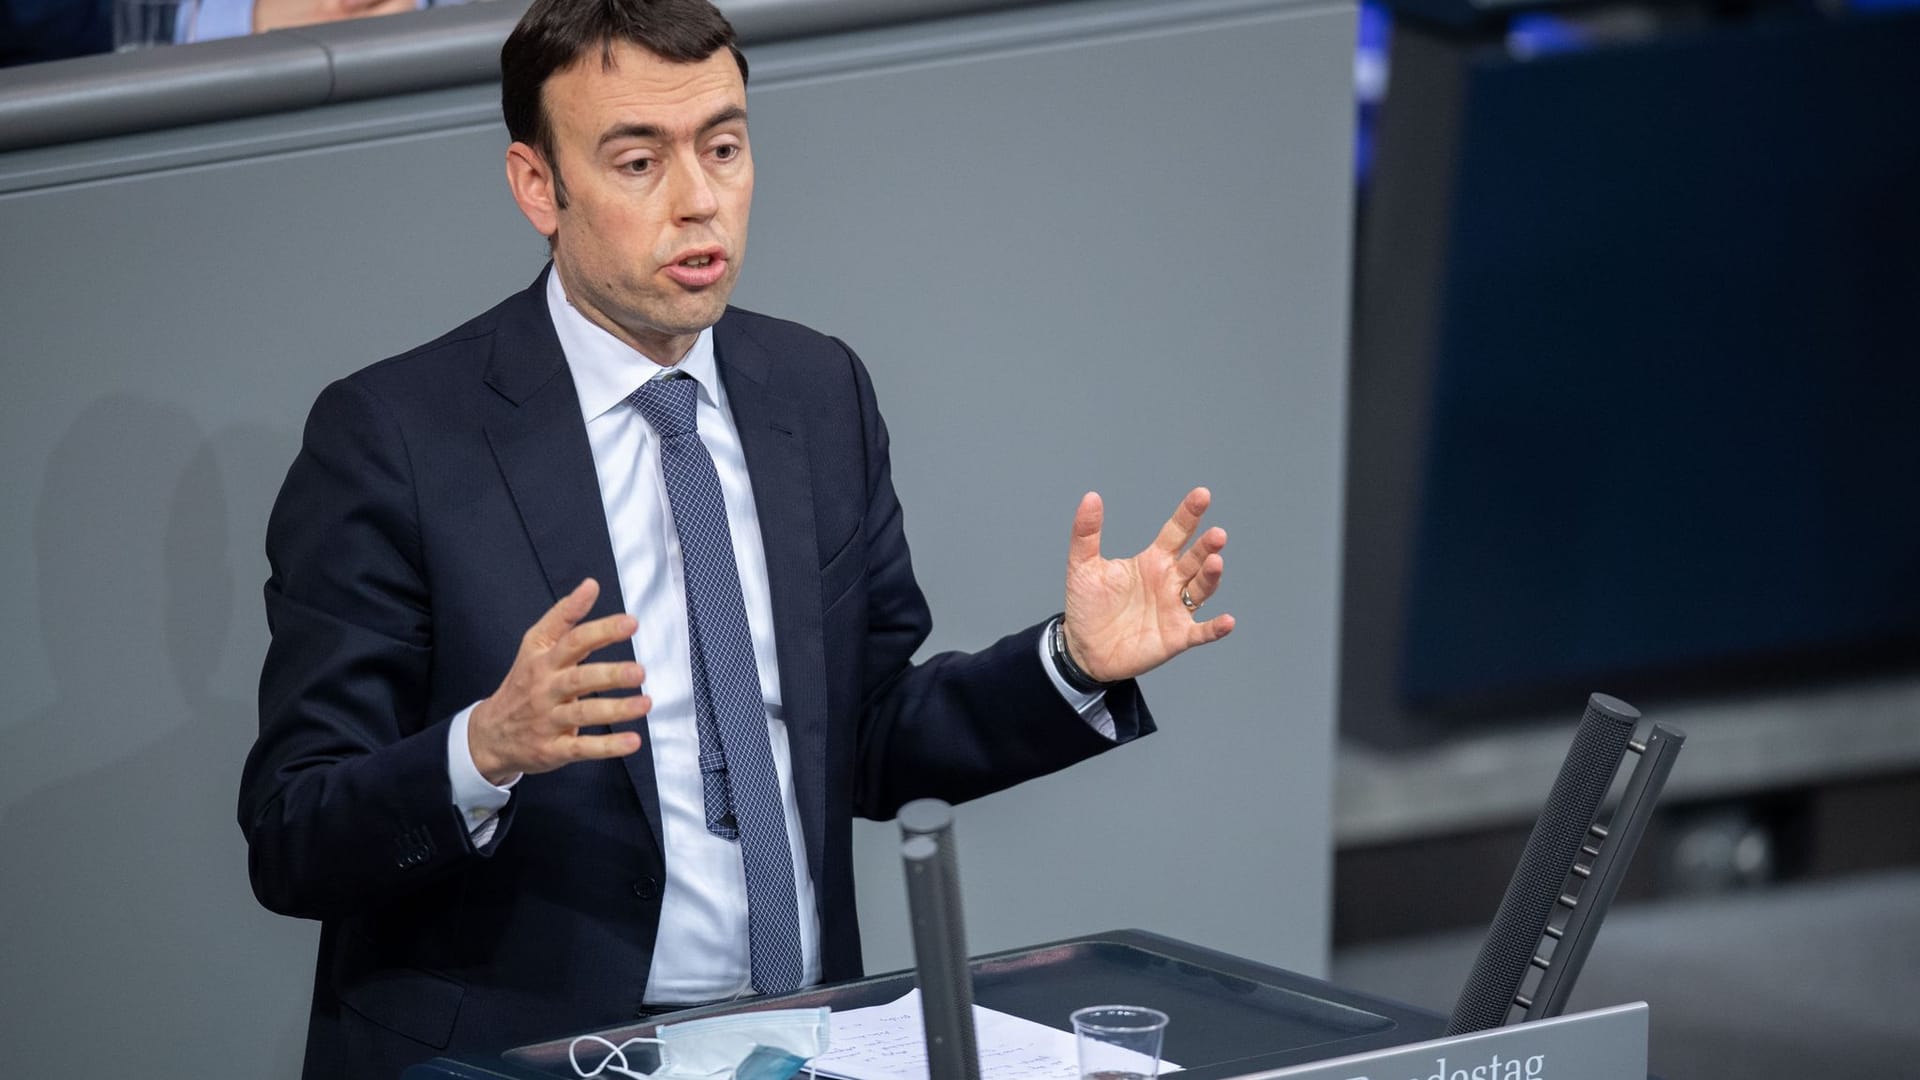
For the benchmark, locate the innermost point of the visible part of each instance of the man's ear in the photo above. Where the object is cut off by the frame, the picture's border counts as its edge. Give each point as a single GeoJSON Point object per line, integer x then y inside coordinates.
{"type": "Point", "coordinates": [535, 187]}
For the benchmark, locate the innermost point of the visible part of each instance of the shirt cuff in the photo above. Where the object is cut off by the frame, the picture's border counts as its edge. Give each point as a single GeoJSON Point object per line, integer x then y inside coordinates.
{"type": "Point", "coordinates": [1091, 707]}
{"type": "Point", "coordinates": [478, 801]}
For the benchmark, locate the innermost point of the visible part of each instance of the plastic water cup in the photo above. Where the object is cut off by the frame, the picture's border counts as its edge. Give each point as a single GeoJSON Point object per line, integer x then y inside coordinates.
{"type": "Point", "coordinates": [1119, 1042]}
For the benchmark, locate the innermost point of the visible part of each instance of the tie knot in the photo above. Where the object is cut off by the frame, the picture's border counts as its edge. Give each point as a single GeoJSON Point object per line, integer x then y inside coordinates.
{"type": "Point", "coordinates": [668, 404]}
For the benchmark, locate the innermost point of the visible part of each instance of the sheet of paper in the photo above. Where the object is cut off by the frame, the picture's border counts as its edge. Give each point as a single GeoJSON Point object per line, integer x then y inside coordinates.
{"type": "Point", "coordinates": [888, 1042]}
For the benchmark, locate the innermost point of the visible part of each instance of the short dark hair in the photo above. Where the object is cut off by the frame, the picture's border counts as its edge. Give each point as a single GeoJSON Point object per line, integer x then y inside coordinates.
{"type": "Point", "coordinates": [554, 34]}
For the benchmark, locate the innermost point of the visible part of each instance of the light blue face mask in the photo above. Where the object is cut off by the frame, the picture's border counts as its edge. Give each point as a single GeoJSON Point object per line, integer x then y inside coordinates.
{"type": "Point", "coordinates": [761, 1043]}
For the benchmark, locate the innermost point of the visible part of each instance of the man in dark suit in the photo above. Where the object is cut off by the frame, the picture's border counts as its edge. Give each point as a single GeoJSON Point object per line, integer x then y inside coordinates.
{"type": "Point", "coordinates": [488, 546]}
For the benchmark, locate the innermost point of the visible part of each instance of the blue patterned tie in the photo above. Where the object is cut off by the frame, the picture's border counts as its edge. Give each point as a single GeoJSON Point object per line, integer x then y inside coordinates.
{"type": "Point", "coordinates": [736, 758]}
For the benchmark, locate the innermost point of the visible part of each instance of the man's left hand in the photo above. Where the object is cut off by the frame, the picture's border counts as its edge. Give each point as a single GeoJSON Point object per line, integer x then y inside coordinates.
{"type": "Point", "coordinates": [1126, 617]}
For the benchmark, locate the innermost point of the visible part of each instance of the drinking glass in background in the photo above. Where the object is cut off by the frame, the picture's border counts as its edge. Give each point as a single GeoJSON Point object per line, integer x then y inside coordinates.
{"type": "Point", "coordinates": [1119, 1042]}
{"type": "Point", "coordinates": [142, 24]}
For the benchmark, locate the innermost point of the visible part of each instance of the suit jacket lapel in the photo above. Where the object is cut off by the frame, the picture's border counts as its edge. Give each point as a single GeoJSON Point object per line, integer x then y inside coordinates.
{"type": "Point", "coordinates": [772, 438]}
{"type": "Point", "coordinates": [542, 450]}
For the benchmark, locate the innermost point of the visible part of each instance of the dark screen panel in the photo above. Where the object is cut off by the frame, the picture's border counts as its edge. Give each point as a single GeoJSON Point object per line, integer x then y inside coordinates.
{"type": "Point", "coordinates": [1675, 416]}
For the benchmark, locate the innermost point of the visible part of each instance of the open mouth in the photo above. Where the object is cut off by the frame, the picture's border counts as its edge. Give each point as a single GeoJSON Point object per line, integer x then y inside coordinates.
{"type": "Point", "coordinates": [699, 269]}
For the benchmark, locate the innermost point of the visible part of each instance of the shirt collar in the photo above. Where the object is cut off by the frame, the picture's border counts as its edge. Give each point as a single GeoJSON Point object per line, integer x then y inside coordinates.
{"type": "Point", "coordinates": [606, 369]}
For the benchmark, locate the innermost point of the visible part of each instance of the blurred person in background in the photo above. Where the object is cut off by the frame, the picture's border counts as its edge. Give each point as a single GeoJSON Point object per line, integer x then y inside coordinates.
{"type": "Point", "coordinates": [36, 30]}
{"type": "Point", "coordinates": [234, 18]}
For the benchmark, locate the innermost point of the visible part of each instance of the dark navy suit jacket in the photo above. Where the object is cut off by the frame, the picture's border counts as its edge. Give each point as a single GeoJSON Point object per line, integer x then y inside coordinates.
{"type": "Point", "coordinates": [441, 501]}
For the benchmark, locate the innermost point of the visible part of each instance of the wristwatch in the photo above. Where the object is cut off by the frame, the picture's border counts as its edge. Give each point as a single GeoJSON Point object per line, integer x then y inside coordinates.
{"type": "Point", "coordinates": [1063, 661]}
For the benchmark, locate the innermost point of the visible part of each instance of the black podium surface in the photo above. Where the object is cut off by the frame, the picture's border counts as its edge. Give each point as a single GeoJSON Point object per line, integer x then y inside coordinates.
{"type": "Point", "coordinates": [1229, 1016]}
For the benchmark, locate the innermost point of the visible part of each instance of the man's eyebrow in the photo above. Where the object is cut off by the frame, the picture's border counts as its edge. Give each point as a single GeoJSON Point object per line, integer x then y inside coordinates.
{"type": "Point", "coordinates": [728, 115]}
{"type": "Point", "coordinates": [629, 131]}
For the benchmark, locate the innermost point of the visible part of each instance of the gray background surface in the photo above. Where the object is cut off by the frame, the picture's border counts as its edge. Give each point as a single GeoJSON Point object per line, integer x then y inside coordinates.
{"type": "Point", "coordinates": [1812, 979]}
{"type": "Point", "coordinates": [1095, 245]}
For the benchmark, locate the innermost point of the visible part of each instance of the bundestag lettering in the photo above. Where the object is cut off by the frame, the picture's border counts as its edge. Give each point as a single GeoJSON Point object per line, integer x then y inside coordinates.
{"type": "Point", "coordinates": [1496, 1068]}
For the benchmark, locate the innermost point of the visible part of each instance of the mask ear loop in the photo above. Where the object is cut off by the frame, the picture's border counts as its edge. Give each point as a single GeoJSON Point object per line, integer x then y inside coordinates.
{"type": "Point", "coordinates": [606, 1063]}
{"type": "Point", "coordinates": [808, 1067]}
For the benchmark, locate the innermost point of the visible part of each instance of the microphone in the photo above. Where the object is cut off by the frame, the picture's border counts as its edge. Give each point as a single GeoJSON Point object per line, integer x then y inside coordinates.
{"type": "Point", "coordinates": [939, 939]}
{"type": "Point", "coordinates": [1611, 854]}
{"type": "Point", "coordinates": [1508, 954]}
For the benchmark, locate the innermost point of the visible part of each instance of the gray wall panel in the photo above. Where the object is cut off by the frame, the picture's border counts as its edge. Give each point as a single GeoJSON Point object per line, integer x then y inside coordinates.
{"type": "Point", "coordinates": [165, 335]}
{"type": "Point", "coordinates": [1110, 255]}
{"type": "Point", "coordinates": [1065, 280]}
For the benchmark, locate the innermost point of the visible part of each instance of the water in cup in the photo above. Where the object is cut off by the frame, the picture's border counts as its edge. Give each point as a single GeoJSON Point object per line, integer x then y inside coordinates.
{"type": "Point", "coordinates": [1119, 1042]}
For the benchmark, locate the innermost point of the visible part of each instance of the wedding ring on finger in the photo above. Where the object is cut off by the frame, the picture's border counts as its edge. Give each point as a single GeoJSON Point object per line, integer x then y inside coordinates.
{"type": "Point", "coordinates": [1186, 598]}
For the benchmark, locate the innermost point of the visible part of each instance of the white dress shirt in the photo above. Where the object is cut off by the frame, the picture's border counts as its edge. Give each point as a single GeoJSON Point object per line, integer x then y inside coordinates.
{"type": "Point", "coordinates": [701, 952]}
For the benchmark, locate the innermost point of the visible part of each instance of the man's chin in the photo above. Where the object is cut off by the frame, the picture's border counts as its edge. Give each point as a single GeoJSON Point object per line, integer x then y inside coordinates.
{"type": "Point", "coordinates": [662, 323]}
{"type": "Point", "coordinates": [694, 314]}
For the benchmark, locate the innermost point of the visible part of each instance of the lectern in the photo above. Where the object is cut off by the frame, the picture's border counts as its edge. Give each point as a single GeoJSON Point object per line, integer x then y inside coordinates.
{"type": "Point", "coordinates": [1232, 1018]}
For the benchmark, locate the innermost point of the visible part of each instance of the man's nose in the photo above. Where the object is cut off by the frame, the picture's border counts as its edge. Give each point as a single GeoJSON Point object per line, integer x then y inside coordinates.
{"type": "Point", "coordinates": [693, 194]}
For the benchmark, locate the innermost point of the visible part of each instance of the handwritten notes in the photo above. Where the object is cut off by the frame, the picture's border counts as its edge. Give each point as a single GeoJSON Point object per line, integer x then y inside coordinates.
{"type": "Point", "coordinates": [888, 1042]}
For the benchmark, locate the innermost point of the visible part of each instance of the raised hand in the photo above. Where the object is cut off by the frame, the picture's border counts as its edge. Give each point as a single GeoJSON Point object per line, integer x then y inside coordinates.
{"type": "Point", "coordinates": [1126, 617]}
{"type": "Point", "coordinates": [532, 723]}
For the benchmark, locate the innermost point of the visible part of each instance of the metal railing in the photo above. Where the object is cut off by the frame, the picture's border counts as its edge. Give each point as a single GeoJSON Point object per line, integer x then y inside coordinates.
{"type": "Point", "coordinates": [98, 96]}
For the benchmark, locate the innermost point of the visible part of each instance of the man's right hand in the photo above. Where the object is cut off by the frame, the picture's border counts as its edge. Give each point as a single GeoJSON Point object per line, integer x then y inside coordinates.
{"type": "Point", "coordinates": [532, 723]}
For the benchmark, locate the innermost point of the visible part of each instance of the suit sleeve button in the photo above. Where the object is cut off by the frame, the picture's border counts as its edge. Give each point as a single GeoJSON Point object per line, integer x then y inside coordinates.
{"type": "Point", "coordinates": [647, 888]}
